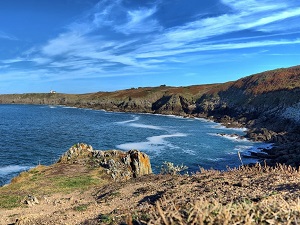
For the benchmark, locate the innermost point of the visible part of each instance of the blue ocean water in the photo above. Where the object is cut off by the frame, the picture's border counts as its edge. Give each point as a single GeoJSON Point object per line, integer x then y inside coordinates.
{"type": "Point", "coordinates": [33, 134]}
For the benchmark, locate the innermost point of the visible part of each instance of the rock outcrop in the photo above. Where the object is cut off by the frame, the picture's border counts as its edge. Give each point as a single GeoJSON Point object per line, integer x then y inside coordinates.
{"type": "Point", "coordinates": [118, 164]}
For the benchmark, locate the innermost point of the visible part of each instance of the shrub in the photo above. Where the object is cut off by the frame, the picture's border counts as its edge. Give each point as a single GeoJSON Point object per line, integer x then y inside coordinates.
{"type": "Point", "coordinates": [170, 168]}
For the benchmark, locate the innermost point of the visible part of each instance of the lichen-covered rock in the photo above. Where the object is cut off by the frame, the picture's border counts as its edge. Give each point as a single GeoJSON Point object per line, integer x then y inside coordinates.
{"type": "Point", "coordinates": [140, 163]}
{"type": "Point", "coordinates": [75, 152]}
{"type": "Point", "coordinates": [118, 164]}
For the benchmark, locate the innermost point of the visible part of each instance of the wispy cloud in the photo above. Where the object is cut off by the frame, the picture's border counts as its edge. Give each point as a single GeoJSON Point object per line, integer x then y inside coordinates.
{"type": "Point", "coordinates": [139, 21]}
{"type": "Point", "coordinates": [114, 39]}
{"type": "Point", "coordinates": [214, 47]}
{"type": "Point", "coordinates": [7, 36]}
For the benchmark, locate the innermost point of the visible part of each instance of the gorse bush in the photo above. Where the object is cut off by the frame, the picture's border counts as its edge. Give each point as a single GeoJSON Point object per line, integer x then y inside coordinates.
{"type": "Point", "coordinates": [170, 168]}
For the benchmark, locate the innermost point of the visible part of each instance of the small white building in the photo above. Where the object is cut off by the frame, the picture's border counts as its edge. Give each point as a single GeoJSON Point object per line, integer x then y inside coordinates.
{"type": "Point", "coordinates": [52, 92]}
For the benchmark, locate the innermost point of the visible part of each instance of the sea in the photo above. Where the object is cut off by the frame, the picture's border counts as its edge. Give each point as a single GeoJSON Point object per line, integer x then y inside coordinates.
{"type": "Point", "coordinates": [40, 134]}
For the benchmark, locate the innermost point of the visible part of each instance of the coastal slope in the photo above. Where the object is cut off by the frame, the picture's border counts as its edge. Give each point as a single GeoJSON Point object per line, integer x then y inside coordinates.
{"type": "Point", "coordinates": [81, 189]}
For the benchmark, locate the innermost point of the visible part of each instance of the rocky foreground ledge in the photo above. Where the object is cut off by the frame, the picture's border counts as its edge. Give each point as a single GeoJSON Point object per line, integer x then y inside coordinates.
{"type": "Point", "coordinates": [68, 184]}
{"type": "Point", "coordinates": [89, 187]}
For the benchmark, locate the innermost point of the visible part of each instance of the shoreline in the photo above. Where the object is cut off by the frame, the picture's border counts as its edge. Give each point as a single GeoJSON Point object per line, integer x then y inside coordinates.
{"type": "Point", "coordinates": [259, 129]}
{"type": "Point", "coordinates": [229, 125]}
{"type": "Point", "coordinates": [269, 155]}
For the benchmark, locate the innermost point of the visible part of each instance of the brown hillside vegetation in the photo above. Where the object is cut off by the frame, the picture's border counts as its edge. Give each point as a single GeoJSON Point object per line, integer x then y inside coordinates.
{"type": "Point", "coordinates": [274, 80]}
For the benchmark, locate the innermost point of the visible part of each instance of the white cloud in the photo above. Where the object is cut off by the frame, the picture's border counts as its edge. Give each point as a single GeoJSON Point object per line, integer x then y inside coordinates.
{"type": "Point", "coordinates": [41, 60]}
{"type": "Point", "coordinates": [63, 44]}
{"type": "Point", "coordinates": [274, 17]}
{"type": "Point", "coordinates": [7, 36]}
{"type": "Point", "coordinates": [213, 47]}
{"type": "Point", "coordinates": [4, 66]}
{"type": "Point", "coordinates": [255, 5]}
{"type": "Point", "coordinates": [10, 61]}
{"type": "Point", "coordinates": [91, 46]}
{"type": "Point", "coordinates": [139, 21]}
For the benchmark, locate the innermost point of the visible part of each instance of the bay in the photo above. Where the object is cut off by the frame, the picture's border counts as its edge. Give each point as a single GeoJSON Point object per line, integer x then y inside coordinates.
{"type": "Point", "coordinates": [40, 134]}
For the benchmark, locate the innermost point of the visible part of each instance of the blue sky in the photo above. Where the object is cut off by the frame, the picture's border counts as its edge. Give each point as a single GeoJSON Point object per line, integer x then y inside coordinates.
{"type": "Point", "coordinates": [80, 46]}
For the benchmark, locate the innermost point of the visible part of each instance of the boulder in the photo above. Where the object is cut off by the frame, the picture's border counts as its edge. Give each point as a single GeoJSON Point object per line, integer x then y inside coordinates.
{"type": "Point", "coordinates": [140, 163]}
{"type": "Point", "coordinates": [118, 164]}
{"type": "Point", "coordinates": [77, 151]}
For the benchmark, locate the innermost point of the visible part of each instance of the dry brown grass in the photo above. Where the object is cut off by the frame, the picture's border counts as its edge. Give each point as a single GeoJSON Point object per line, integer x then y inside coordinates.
{"type": "Point", "coordinates": [274, 210]}
{"type": "Point", "coordinates": [246, 195]}
{"type": "Point", "coordinates": [271, 196]}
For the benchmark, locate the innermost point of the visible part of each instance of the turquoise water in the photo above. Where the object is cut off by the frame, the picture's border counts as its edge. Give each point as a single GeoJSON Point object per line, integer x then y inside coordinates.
{"type": "Point", "coordinates": [33, 134]}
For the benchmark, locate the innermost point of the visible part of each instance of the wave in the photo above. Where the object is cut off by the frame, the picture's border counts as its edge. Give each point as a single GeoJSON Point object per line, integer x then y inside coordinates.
{"type": "Point", "coordinates": [153, 143]}
{"type": "Point", "coordinates": [246, 150]}
{"type": "Point", "coordinates": [231, 137]}
{"type": "Point", "coordinates": [189, 151]}
{"type": "Point", "coordinates": [140, 125]}
{"type": "Point", "coordinates": [243, 148]}
{"type": "Point", "coordinates": [215, 159]}
{"type": "Point", "coordinates": [12, 169]}
{"type": "Point", "coordinates": [240, 148]}
{"type": "Point", "coordinates": [135, 118]}
{"type": "Point", "coordinates": [70, 107]}
{"type": "Point", "coordinates": [204, 120]}
{"type": "Point", "coordinates": [257, 149]}
{"type": "Point", "coordinates": [222, 127]}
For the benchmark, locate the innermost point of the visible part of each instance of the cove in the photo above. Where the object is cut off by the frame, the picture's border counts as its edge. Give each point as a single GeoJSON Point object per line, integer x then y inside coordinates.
{"type": "Point", "coordinates": [40, 134]}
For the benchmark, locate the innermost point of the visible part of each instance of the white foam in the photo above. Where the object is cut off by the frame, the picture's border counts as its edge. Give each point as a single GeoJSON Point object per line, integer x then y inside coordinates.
{"type": "Point", "coordinates": [70, 107]}
{"type": "Point", "coordinates": [222, 127]}
{"type": "Point", "coordinates": [242, 148]}
{"type": "Point", "coordinates": [12, 169]}
{"type": "Point", "coordinates": [140, 125]}
{"type": "Point", "coordinates": [156, 143]}
{"type": "Point", "coordinates": [189, 151]}
{"type": "Point", "coordinates": [246, 150]}
{"type": "Point", "coordinates": [156, 114]}
{"type": "Point", "coordinates": [229, 137]}
{"type": "Point", "coordinates": [215, 159]}
{"type": "Point", "coordinates": [204, 120]}
{"type": "Point", "coordinates": [135, 118]}
{"type": "Point", "coordinates": [258, 148]}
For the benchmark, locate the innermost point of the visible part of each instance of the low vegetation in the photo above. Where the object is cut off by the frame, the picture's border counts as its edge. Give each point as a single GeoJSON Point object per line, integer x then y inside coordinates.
{"type": "Point", "coordinates": [170, 168]}
{"type": "Point", "coordinates": [42, 180]}
{"type": "Point", "coordinates": [268, 195]}
{"type": "Point", "coordinates": [246, 195]}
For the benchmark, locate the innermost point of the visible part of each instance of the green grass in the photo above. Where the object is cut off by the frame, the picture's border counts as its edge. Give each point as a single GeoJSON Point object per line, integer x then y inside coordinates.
{"type": "Point", "coordinates": [9, 201]}
{"type": "Point", "coordinates": [81, 208]}
{"type": "Point", "coordinates": [71, 183]}
{"type": "Point", "coordinates": [106, 219]}
{"type": "Point", "coordinates": [38, 182]}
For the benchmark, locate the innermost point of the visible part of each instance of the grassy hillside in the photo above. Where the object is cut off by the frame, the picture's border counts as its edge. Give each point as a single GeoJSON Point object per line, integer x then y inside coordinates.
{"type": "Point", "coordinates": [247, 195]}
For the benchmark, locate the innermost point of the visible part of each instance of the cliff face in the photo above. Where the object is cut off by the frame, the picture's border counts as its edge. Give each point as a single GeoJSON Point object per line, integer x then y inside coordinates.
{"type": "Point", "coordinates": [267, 103]}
